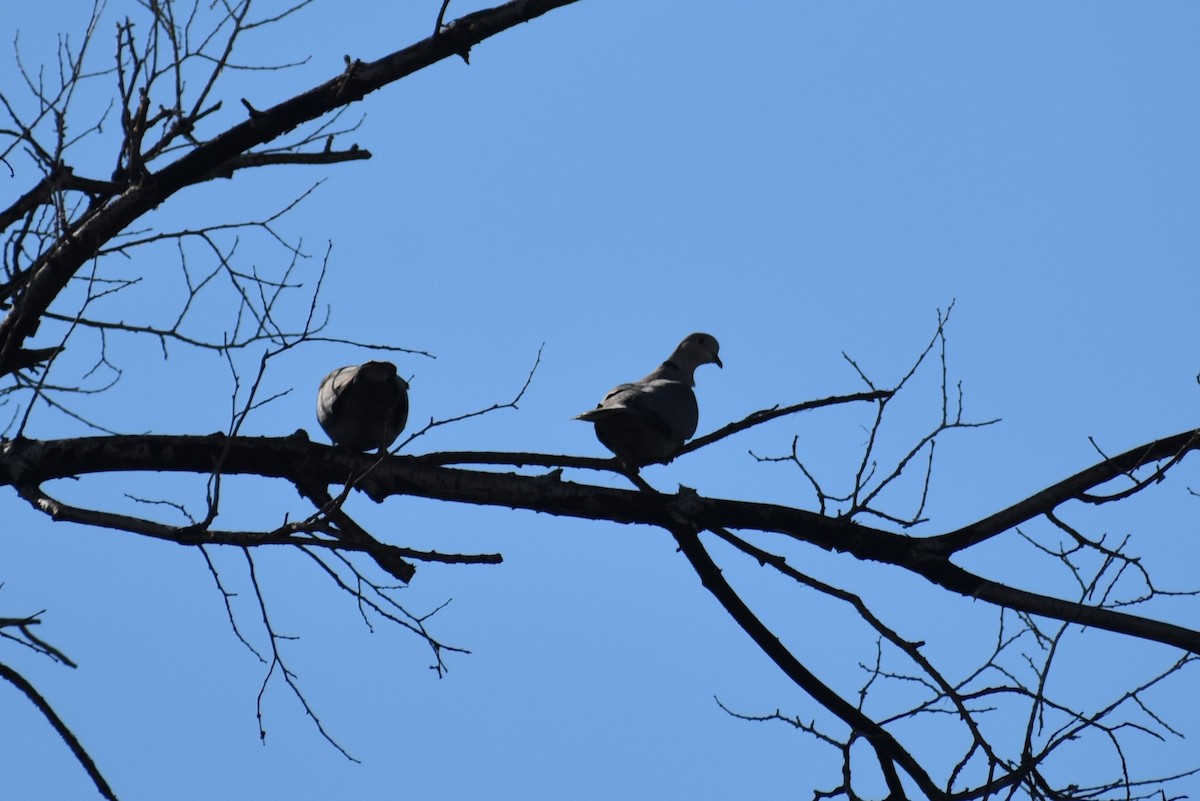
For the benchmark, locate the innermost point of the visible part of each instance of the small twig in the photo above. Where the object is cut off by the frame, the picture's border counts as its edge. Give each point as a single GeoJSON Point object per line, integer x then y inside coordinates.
{"type": "Point", "coordinates": [775, 412]}
{"type": "Point", "coordinates": [437, 26]}
{"type": "Point", "coordinates": [277, 661]}
{"type": "Point", "coordinates": [512, 404]}
{"type": "Point", "coordinates": [226, 595]}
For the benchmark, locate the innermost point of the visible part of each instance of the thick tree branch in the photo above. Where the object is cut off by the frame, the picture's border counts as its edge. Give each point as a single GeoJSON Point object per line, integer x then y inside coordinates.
{"type": "Point", "coordinates": [28, 463]}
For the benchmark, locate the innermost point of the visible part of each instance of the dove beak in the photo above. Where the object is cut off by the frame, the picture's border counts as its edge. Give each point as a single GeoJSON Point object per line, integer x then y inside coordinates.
{"type": "Point", "coordinates": [717, 361]}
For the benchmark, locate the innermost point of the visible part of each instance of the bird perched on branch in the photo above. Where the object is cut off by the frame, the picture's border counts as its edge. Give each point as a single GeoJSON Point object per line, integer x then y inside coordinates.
{"type": "Point", "coordinates": [649, 420]}
{"type": "Point", "coordinates": [363, 406]}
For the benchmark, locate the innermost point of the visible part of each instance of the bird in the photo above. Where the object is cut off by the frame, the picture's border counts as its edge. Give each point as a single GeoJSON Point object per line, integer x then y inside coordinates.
{"type": "Point", "coordinates": [648, 421]}
{"type": "Point", "coordinates": [363, 406]}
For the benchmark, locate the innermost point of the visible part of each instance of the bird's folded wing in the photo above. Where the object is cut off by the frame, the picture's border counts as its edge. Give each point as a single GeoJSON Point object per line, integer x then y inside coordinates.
{"type": "Point", "coordinates": [666, 406]}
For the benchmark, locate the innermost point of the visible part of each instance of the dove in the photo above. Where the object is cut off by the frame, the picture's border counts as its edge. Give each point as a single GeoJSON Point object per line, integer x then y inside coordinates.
{"type": "Point", "coordinates": [363, 406]}
{"type": "Point", "coordinates": [649, 420]}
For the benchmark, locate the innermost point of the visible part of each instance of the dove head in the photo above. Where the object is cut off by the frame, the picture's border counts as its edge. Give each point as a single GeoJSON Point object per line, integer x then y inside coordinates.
{"type": "Point", "coordinates": [693, 351]}
{"type": "Point", "coordinates": [377, 371]}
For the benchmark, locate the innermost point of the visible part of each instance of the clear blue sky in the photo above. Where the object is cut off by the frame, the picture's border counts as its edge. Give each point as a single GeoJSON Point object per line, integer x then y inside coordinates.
{"type": "Point", "coordinates": [799, 179]}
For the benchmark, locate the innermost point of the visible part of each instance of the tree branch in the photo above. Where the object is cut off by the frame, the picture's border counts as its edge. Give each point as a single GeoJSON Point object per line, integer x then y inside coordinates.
{"type": "Point", "coordinates": [775, 412]}
{"type": "Point", "coordinates": [49, 273]}
{"type": "Point", "coordinates": [890, 752]}
{"type": "Point", "coordinates": [27, 463]}
{"type": "Point", "coordinates": [1073, 488]}
{"type": "Point", "coordinates": [29, 691]}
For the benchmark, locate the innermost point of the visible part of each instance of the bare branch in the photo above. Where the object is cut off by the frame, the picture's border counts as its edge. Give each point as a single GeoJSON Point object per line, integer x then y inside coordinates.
{"type": "Point", "coordinates": [25, 463]}
{"type": "Point", "coordinates": [495, 407]}
{"type": "Point", "coordinates": [1170, 449]}
{"type": "Point", "coordinates": [81, 755]}
{"type": "Point", "coordinates": [277, 662]}
{"type": "Point", "coordinates": [50, 272]}
{"type": "Point", "coordinates": [775, 412]}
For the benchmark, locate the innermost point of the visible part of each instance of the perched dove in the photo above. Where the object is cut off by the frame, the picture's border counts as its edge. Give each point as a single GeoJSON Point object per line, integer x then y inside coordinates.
{"type": "Point", "coordinates": [363, 406]}
{"type": "Point", "coordinates": [649, 420]}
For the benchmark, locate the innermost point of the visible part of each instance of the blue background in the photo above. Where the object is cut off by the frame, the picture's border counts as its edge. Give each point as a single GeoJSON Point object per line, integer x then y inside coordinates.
{"type": "Point", "coordinates": [802, 180]}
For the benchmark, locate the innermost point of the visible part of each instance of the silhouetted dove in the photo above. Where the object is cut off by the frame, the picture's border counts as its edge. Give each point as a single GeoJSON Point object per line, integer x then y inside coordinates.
{"type": "Point", "coordinates": [649, 420]}
{"type": "Point", "coordinates": [363, 406]}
